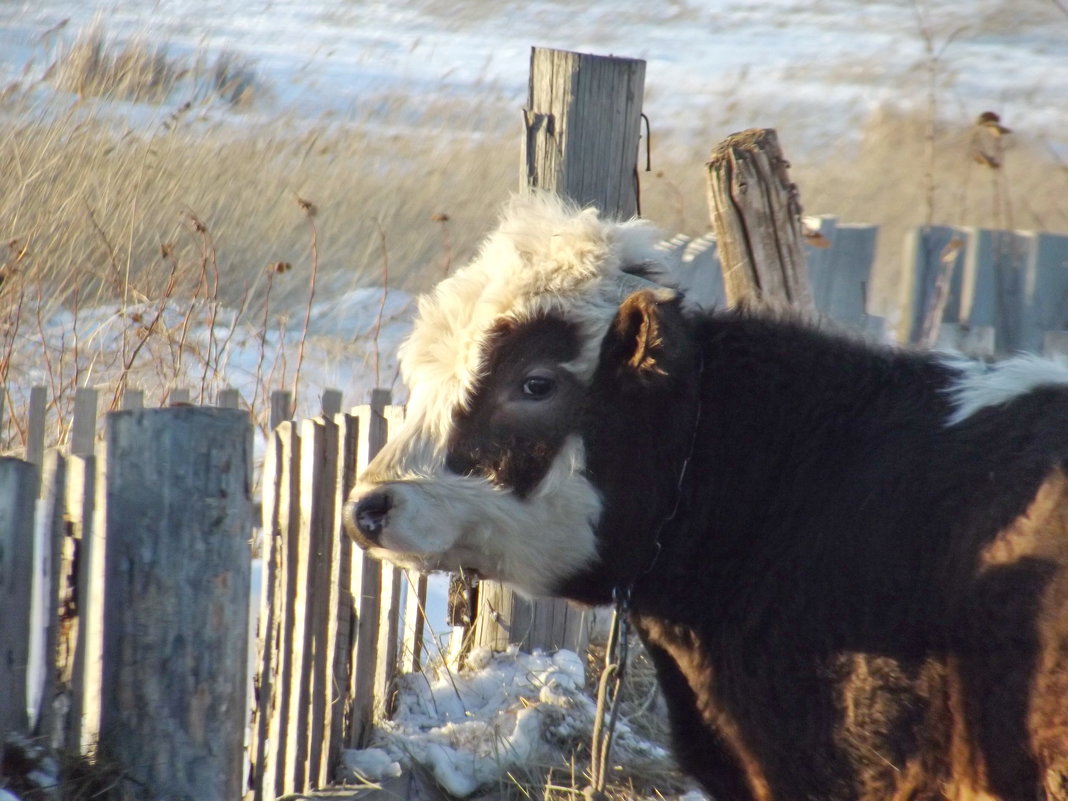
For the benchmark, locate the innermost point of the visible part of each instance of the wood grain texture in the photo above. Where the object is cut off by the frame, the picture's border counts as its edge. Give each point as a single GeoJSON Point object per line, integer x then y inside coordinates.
{"type": "Point", "coordinates": [18, 486]}
{"type": "Point", "coordinates": [179, 515]}
{"type": "Point", "coordinates": [756, 217]}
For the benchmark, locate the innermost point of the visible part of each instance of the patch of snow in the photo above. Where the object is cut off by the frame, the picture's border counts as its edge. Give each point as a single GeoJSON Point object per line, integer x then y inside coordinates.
{"type": "Point", "coordinates": [822, 65]}
{"type": "Point", "coordinates": [471, 728]}
{"type": "Point", "coordinates": [368, 765]}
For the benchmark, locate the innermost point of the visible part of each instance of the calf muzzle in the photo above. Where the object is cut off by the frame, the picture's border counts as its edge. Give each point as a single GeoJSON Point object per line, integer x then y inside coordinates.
{"type": "Point", "coordinates": [365, 517]}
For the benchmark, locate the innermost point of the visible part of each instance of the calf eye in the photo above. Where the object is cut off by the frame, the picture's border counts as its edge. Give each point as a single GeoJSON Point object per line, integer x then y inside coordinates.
{"type": "Point", "coordinates": [538, 387]}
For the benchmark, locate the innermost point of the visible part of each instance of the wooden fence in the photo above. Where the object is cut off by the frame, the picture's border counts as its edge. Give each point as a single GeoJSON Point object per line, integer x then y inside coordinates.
{"type": "Point", "coordinates": [125, 567]}
{"type": "Point", "coordinates": [1007, 290]}
{"type": "Point", "coordinates": [334, 626]}
{"type": "Point", "coordinates": [124, 573]}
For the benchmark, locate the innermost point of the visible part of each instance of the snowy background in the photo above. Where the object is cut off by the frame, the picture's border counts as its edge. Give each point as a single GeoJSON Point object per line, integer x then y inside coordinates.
{"type": "Point", "coordinates": [826, 64]}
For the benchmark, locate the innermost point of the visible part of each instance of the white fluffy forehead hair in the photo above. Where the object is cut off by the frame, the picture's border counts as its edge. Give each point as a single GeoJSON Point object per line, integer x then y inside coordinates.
{"type": "Point", "coordinates": [546, 257]}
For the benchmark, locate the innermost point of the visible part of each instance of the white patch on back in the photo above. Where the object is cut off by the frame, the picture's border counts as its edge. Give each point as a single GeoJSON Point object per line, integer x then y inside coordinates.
{"type": "Point", "coordinates": [980, 385]}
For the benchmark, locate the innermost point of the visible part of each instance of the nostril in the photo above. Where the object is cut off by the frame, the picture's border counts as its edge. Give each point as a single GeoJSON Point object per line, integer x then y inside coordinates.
{"type": "Point", "coordinates": [369, 513]}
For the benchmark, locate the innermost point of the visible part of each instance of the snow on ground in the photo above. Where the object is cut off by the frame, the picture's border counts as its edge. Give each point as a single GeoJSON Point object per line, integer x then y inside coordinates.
{"type": "Point", "coordinates": [825, 64]}
{"type": "Point", "coordinates": [351, 345]}
{"type": "Point", "coordinates": [508, 711]}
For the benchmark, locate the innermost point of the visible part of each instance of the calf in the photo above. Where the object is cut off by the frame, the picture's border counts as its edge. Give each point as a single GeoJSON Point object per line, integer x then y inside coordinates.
{"type": "Point", "coordinates": [849, 563]}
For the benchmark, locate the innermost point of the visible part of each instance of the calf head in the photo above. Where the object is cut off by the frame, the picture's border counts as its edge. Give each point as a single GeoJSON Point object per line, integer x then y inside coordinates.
{"type": "Point", "coordinates": [490, 471]}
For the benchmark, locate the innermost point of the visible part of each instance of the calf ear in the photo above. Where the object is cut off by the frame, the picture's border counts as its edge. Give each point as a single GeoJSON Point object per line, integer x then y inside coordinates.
{"type": "Point", "coordinates": [648, 336]}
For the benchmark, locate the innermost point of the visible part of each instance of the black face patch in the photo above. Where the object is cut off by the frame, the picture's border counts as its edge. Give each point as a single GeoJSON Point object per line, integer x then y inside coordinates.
{"type": "Point", "coordinates": [523, 407]}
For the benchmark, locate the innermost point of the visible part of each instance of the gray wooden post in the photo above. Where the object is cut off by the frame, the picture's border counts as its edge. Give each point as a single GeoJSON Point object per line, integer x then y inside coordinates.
{"type": "Point", "coordinates": [371, 670]}
{"type": "Point", "coordinates": [938, 254]}
{"type": "Point", "coordinates": [18, 487]}
{"type": "Point", "coordinates": [178, 517]}
{"type": "Point", "coordinates": [756, 216]}
{"type": "Point", "coordinates": [35, 434]}
{"type": "Point", "coordinates": [1048, 306]}
{"type": "Point", "coordinates": [281, 407]}
{"type": "Point", "coordinates": [582, 124]}
{"type": "Point", "coordinates": [81, 489]}
{"type": "Point", "coordinates": [994, 288]}
{"type": "Point", "coordinates": [53, 570]}
{"type": "Point", "coordinates": [583, 127]}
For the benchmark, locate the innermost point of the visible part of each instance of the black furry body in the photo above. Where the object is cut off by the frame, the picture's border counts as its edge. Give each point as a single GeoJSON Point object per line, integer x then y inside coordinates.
{"type": "Point", "coordinates": [836, 611]}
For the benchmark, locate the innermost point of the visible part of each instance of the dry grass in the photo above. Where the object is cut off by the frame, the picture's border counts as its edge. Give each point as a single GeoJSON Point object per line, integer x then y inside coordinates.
{"type": "Point", "coordinates": [97, 210]}
{"type": "Point", "coordinates": [172, 221]}
{"type": "Point", "coordinates": [88, 206]}
{"type": "Point", "coordinates": [144, 71]}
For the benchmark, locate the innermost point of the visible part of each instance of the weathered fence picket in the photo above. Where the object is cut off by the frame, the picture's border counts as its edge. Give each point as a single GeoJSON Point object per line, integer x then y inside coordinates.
{"type": "Point", "coordinates": [840, 273]}
{"type": "Point", "coordinates": [1005, 291]}
{"type": "Point", "coordinates": [756, 217]}
{"type": "Point", "coordinates": [378, 588]}
{"type": "Point", "coordinates": [49, 569]}
{"type": "Point", "coordinates": [344, 616]}
{"type": "Point", "coordinates": [35, 429]}
{"type": "Point", "coordinates": [937, 253]}
{"type": "Point", "coordinates": [281, 471]}
{"type": "Point", "coordinates": [178, 513]}
{"type": "Point", "coordinates": [330, 619]}
{"type": "Point", "coordinates": [415, 624]}
{"type": "Point", "coordinates": [985, 292]}
{"type": "Point", "coordinates": [85, 554]}
{"type": "Point", "coordinates": [132, 399]}
{"type": "Point", "coordinates": [18, 487]}
{"type": "Point", "coordinates": [1048, 302]}
{"type": "Point", "coordinates": [1055, 343]}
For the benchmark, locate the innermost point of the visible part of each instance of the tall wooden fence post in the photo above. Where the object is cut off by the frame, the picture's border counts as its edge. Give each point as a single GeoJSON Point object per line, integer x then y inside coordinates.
{"type": "Point", "coordinates": [49, 692]}
{"type": "Point", "coordinates": [83, 540]}
{"type": "Point", "coordinates": [374, 588]}
{"type": "Point", "coordinates": [756, 216]}
{"type": "Point", "coordinates": [178, 515]}
{"type": "Point", "coordinates": [272, 742]}
{"type": "Point", "coordinates": [583, 127]}
{"type": "Point", "coordinates": [18, 488]}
